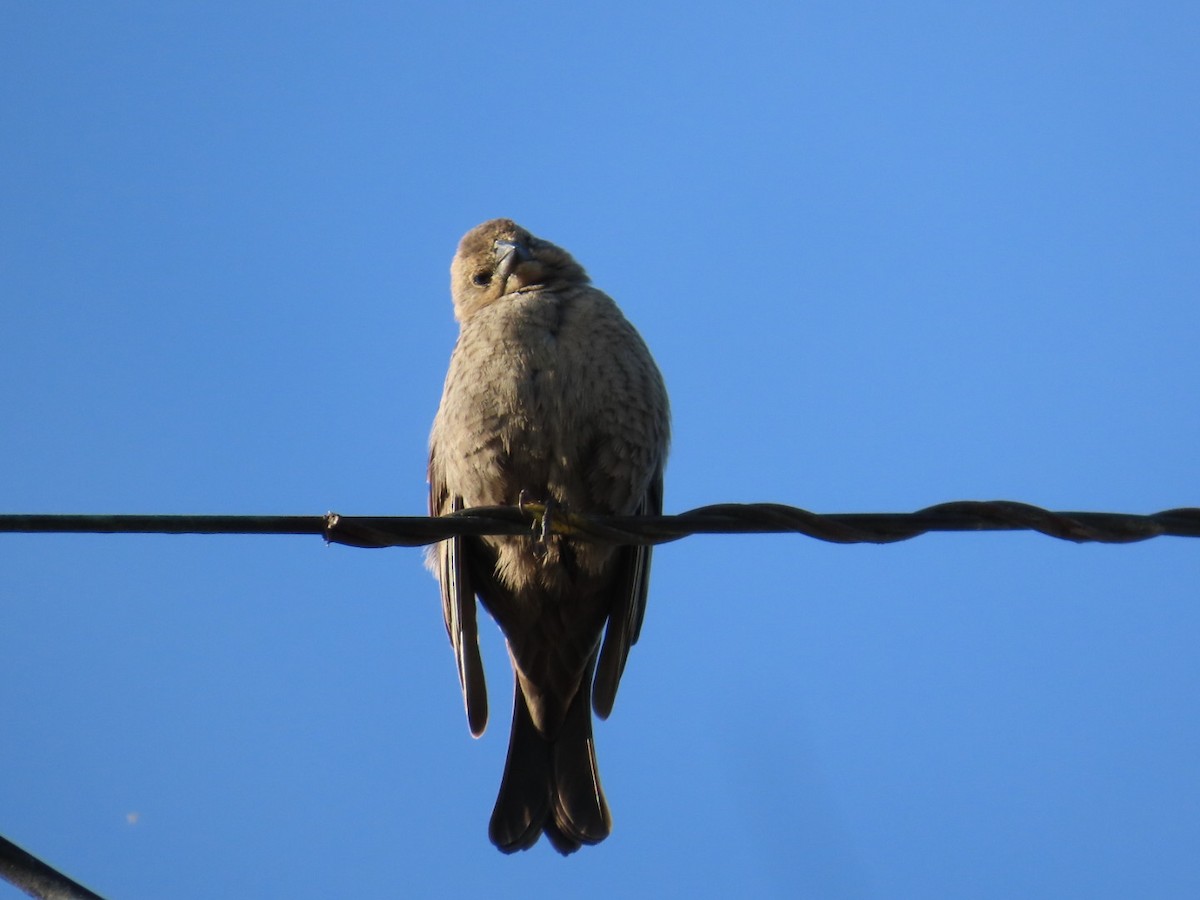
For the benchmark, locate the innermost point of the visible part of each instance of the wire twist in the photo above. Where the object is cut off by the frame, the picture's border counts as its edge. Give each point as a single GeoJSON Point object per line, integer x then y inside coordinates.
{"type": "Point", "coordinates": [769, 518]}
{"type": "Point", "coordinates": [723, 518]}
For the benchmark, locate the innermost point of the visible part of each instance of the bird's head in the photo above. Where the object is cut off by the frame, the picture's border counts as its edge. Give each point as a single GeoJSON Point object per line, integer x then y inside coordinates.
{"type": "Point", "coordinates": [499, 259]}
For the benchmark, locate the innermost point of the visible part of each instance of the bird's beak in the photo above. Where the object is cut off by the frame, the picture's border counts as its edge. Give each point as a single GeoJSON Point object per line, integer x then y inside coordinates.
{"type": "Point", "coordinates": [509, 255]}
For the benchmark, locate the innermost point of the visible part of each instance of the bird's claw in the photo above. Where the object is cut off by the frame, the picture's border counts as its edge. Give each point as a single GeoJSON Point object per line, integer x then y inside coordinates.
{"type": "Point", "coordinates": [543, 523]}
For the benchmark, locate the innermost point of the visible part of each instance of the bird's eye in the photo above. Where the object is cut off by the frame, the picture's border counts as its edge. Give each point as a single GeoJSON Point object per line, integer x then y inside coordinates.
{"type": "Point", "coordinates": [483, 278]}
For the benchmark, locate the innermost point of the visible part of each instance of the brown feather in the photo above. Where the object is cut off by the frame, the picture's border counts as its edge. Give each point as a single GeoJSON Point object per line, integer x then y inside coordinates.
{"type": "Point", "coordinates": [551, 396]}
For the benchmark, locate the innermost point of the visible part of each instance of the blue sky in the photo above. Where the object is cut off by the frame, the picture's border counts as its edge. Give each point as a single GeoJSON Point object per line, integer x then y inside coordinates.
{"type": "Point", "coordinates": [886, 256]}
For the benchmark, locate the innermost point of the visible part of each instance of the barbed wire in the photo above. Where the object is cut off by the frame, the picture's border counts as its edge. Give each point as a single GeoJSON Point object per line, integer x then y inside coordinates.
{"type": "Point", "coordinates": [722, 518]}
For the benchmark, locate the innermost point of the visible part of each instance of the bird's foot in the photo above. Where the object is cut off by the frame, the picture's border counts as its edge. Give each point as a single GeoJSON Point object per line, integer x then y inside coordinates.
{"type": "Point", "coordinates": [543, 523]}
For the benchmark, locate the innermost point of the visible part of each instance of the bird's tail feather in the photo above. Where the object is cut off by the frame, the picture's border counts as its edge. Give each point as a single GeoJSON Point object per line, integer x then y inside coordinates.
{"type": "Point", "coordinates": [580, 809]}
{"type": "Point", "coordinates": [551, 786]}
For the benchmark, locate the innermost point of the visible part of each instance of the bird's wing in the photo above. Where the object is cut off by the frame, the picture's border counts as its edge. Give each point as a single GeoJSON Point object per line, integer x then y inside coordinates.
{"type": "Point", "coordinates": [459, 609]}
{"type": "Point", "coordinates": [629, 608]}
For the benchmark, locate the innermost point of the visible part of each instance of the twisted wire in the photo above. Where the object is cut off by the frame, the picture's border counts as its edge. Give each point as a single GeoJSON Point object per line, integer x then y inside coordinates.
{"type": "Point", "coordinates": [721, 518]}
{"type": "Point", "coordinates": [35, 877]}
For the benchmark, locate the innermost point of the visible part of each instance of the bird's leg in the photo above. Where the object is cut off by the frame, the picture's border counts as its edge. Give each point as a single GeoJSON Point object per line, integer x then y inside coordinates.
{"type": "Point", "coordinates": [543, 525]}
{"type": "Point", "coordinates": [547, 526]}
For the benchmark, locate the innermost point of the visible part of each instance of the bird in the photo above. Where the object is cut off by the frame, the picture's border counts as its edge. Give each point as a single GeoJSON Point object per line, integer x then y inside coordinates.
{"type": "Point", "coordinates": [551, 396]}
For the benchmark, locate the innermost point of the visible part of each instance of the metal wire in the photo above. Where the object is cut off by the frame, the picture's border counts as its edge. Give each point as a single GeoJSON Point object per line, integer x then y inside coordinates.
{"type": "Point", "coordinates": [724, 518]}
{"type": "Point", "coordinates": [37, 879]}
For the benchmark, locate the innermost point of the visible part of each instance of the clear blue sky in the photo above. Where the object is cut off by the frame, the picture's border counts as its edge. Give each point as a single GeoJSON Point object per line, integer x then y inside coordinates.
{"type": "Point", "coordinates": [886, 256]}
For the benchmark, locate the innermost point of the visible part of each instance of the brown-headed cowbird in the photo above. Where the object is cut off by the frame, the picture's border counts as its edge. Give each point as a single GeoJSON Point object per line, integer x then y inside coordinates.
{"type": "Point", "coordinates": [552, 397]}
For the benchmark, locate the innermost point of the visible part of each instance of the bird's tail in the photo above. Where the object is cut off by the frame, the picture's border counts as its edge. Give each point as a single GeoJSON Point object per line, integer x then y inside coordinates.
{"type": "Point", "coordinates": [551, 785]}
